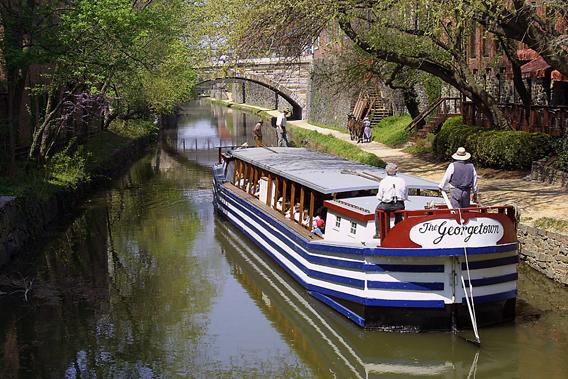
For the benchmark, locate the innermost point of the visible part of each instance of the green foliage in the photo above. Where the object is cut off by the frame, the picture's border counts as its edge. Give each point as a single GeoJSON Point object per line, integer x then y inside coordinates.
{"type": "Point", "coordinates": [329, 144]}
{"type": "Point", "coordinates": [68, 169]}
{"type": "Point", "coordinates": [134, 51]}
{"type": "Point", "coordinates": [392, 130]}
{"type": "Point", "coordinates": [422, 145]}
{"type": "Point", "coordinates": [433, 87]}
{"type": "Point", "coordinates": [561, 147]}
{"type": "Point", "coordinates": [452, 135]}
{"type": "Point", "coordinates": [492, 148]}
{"type": "Point", "coordinates": [553, 224]}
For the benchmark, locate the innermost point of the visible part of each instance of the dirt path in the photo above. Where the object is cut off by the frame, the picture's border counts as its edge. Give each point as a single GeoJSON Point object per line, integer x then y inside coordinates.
{"type": "Point", "coordinates": [533, 198]}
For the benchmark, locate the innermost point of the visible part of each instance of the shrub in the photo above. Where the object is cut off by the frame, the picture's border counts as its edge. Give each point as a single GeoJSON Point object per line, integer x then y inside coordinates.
{"type": "Point", "coordinates": [68, 169]}
{"type": "Point", "coordinates": [561, 147]}
{"type": "Point", "coordinates": [492, 148]}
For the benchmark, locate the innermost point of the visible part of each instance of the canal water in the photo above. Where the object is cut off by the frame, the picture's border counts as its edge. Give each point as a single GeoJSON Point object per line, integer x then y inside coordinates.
{"type": "Point", "coordinates": [147, 282]}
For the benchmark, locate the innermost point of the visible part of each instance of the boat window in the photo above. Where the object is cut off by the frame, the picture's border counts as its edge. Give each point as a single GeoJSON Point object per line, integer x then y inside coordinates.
{"type": "Point", "coordinates": [353, 227]}
{"type": "Point", "coordinates": [337, 221]}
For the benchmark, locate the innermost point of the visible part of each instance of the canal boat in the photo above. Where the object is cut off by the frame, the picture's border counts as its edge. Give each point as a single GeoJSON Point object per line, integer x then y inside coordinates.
{"type": "Point", "coordinates": [437, 269]}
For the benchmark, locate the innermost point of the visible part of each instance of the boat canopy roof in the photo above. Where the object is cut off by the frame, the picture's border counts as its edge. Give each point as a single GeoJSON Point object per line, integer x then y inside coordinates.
{"type": "Point", "coordinates": [321, 172]}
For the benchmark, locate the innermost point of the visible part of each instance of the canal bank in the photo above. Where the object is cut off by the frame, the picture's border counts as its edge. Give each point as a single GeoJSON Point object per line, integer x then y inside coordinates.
{"type": "Point", "coordinates": [25, 217]}
{"type": "Point", "coordinates": [545, 251]}
{"type": "Point", "coordinates": [146, 281]}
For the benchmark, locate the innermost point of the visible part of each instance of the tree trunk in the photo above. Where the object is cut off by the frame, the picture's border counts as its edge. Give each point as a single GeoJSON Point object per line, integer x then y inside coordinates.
{"type": "Point", "coordinates": [12, 129]}
{"type": "Point", "coordinates": [511, 52]}
{"type": "Point", "coordinates": [411, 102]}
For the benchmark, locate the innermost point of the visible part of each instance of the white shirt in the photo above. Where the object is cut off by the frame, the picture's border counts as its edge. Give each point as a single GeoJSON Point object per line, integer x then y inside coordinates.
{"type": "Point", "coordinates": [392, 188]}
{"type": "Point", "coordinates": [448, 175]}
{"type": "Point", "coordinates": [281, 121]}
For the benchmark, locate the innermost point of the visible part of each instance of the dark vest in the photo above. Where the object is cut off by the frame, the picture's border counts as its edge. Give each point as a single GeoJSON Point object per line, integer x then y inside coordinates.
{"type": "Point", "coordinates": [462, 177]}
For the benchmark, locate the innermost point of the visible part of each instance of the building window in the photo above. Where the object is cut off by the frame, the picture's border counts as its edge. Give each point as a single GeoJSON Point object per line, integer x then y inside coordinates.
{"type": "Point", "coordinates": [337, 222]}
{"type": "Point", "coordinates": [353, 227]}
{"type": "Point", "coordinates": [473, 42]}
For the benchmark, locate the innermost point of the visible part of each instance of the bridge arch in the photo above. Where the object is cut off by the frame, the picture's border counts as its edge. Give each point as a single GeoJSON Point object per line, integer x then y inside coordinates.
{"type": "Point", "coordinates": [297, 103]}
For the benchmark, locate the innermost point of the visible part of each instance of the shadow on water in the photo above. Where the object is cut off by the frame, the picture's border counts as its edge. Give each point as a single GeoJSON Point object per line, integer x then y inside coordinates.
{"type": "Point", "coordinates": [147, 281]}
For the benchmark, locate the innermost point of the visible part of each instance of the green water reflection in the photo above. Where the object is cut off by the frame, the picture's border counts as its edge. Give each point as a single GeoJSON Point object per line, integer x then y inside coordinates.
{"type": "Point", "coordinates": [146, 281]}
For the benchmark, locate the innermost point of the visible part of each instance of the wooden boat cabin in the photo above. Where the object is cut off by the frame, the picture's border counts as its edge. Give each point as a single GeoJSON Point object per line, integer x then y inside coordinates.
{"type": "Point", "coordinates": [299, 185]}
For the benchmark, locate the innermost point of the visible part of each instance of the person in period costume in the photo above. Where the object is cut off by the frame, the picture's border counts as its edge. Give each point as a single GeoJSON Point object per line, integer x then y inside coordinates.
{"type": "Point", "coordinates": [257, 131]}
{"type": "Point", "coordinates": [367, 135]}
{"type": "Point", "coordinates": [461, 178]}
{"type": "Point", "coordinates": [392, 194]}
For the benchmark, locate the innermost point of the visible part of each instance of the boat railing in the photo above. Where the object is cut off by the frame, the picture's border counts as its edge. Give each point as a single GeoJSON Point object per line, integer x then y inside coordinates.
{"type": "Point", "coordinates": [223, 149]}
{"type": "Point", "coordinates": [385, 217]}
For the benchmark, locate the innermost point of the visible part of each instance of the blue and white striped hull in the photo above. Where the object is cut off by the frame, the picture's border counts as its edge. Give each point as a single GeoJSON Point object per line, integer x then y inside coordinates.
{"type": "Point", "coordinates": [408, 288]}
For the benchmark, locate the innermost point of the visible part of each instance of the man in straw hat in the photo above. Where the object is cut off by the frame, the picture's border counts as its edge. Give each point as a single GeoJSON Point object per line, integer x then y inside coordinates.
{"type": "Point", "coordinates": [462, 179]}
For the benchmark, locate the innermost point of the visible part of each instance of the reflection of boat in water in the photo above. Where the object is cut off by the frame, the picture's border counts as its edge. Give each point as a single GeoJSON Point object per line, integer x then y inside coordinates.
{"type": "Point", "coordinates": [409, 278]}
{"type": "Point", "coordinates": [335, 348]}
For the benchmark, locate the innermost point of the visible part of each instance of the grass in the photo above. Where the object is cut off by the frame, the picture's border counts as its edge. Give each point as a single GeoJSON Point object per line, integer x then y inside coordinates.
{"type": "Point", "coordinates": [422, 145]}
{"type": "Point", "coordinates": [332, 127]}
{"type": "Point", "coordinates": [329, 144]}
{"type": "Point", "coordinates": [551, 224]}
{"type": "Point", "coordinates": [392, 130]}
{"type": "Point", "coordinates": [72, 166]}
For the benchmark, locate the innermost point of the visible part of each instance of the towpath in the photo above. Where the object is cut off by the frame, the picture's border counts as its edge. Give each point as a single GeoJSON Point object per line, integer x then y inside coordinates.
{"type": "Point", "coordinates": [534, 199]}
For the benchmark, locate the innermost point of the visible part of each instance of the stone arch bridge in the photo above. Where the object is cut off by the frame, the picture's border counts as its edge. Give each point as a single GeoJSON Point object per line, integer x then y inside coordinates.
{"type": "Point", "coordinates": [288, 79]}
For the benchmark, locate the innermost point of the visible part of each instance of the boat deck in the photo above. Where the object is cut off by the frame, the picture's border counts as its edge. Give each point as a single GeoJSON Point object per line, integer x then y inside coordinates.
{"type": "Point", "coordinates": [273, 212]}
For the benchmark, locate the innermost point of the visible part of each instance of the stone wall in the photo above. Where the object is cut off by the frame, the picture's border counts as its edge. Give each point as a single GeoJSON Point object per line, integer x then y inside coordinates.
{"type": "Point", "coordinates": [545, 173]}
{"type": "Point", "coordinates": [328, 103]}
{"type": "Point", "coordinates": [545, 251]}
{"type": "Point", "coordinates": [259, 95]}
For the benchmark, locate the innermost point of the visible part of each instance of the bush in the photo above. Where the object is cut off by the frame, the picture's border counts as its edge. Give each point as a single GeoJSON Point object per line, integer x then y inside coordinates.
{"type": "Point", "coordinates": [492, 148]}
{"type": "Point", "coordinates": [68, 169]}
{"type": "Point", "coordinates": [561, 147]}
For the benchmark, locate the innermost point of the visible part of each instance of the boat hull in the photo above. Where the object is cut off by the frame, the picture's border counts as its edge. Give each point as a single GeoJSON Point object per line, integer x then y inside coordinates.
{"type": "Point", "coordinates": [403, 289]}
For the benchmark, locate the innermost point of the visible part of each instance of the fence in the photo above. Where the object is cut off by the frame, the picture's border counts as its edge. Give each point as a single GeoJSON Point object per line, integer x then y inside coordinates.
{"type": "Point", "coordinates": [552, 120]}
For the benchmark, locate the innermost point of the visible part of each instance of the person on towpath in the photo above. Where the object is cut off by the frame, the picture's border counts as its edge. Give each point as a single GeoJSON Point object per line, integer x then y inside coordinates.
{"type": "Point", "coordinates": [281, 128]}
{"type": "Point", "coordinates": [257, 131]}
{"type": "Point", "coordinates": [461, 178]}
{"type": "Point", "coordinates": [392, 194]}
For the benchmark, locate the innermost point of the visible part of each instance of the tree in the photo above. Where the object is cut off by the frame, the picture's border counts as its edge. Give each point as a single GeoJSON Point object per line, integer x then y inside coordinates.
{"type": "Point", "coordinates": [27, 28]}
{"type": "Point", "coordinates": [135, 55]}
{"type": "Point", "coordinates": [541, 26]}
{"type": "Point", "coordinates": [426, 35]}
{"type": "Point", "coordinates": [119, 49]}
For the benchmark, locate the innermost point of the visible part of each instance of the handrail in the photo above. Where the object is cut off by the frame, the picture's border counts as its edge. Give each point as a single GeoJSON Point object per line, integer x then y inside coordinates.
{"type": "Point", "coordinates": [428, 111]}
{"type": "Point", "coordinates": [552, 120]}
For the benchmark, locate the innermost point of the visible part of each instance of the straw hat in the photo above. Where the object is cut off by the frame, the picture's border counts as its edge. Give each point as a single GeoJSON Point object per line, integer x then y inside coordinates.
{"type": "Point", "coordinates": [461, 154]}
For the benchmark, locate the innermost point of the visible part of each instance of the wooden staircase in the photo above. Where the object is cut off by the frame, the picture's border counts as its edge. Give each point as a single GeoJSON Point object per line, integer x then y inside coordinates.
{"type": "Point", "coordinates": [370, 104]}
{"type": "Point", "coordinates": [434, 116]}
